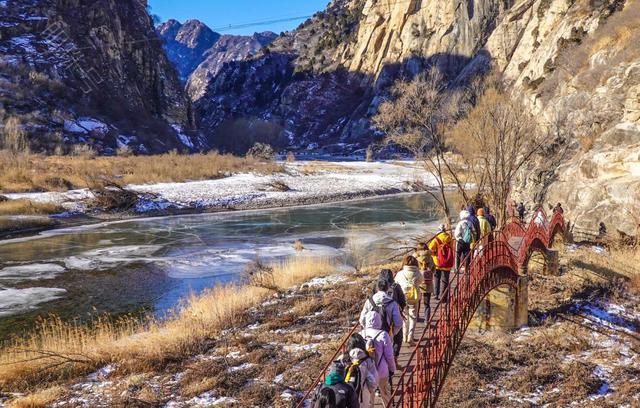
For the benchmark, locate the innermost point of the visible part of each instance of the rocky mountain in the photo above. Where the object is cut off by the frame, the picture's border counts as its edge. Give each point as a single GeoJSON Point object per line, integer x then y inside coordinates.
{"type": "Point", "coordinates": [75, 73]}
{"type": "Point", "coordinates": [186, 44]}
{"type": "Point", "coordinates": [228, 48]}
{"type": "Point", "coordinates": [199, 53]}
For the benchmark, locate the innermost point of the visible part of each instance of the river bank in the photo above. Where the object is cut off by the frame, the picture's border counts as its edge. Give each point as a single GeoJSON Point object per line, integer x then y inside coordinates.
{"type": "Point", "coordinates": [301, 183]}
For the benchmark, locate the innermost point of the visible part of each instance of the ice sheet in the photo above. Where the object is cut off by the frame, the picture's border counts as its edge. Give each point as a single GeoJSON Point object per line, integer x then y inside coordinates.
{"type": "Point", "coordinates": [31, 272]}
{"type": "Point", "coordinates": [16, 301]}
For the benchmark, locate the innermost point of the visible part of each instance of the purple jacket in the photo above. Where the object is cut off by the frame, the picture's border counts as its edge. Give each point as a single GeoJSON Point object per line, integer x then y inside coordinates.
{"type": "Point", "coordinates": [384, 359]}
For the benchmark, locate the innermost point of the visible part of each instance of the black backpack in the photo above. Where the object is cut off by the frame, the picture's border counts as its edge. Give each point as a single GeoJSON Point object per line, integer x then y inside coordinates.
{"type": "Point", "coordinates": [354, 379]}
{"type": "Point", "coordinates": [382, 311]}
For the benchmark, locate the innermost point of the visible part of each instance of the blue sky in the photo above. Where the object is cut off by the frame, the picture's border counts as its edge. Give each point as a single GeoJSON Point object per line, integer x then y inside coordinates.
{"type": "Point", "coordinates": [219, 14]}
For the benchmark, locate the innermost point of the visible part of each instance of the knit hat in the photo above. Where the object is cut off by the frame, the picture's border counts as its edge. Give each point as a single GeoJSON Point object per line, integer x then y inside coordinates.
{"type": "Point", "coordinates": [480, 212]}
{"type": "Point", "coordinates": [336, 373]}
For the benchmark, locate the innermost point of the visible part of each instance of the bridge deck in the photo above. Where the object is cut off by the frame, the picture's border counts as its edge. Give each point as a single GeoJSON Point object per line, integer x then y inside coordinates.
{"type": "Point", "coordinates": [405, 352]}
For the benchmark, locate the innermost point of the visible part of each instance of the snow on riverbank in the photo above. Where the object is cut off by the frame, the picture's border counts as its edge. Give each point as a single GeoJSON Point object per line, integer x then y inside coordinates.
{"type": "Point", "coordinates": [307, 183]}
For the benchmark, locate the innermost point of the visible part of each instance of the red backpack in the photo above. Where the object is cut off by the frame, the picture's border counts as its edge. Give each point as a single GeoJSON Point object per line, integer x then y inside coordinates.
{"type": "Point", "coordinates": [445, 255]}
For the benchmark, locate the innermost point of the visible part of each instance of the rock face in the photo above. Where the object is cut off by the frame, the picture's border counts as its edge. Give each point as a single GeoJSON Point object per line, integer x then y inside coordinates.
{"type": "Point", "coordinates": [329, 75]}
{"type": "Point", "coordinates": [228, 48]}
{"type": "Point", "coordinates": [68, 62]}
{"type": "Point", "coordinates": [199, 53]}
{"type": "Point", "coordinates": [186, 44]}
{"type": "Point", "coordinates": [577, 67]}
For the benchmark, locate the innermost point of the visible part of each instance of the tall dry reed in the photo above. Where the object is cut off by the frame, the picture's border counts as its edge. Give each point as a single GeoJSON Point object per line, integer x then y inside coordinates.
{"type": "Point", "coordinates": [57, 350]}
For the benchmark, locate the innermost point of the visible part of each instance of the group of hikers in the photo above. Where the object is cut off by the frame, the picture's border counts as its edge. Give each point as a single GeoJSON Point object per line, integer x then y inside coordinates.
{"type": "Point", "coordinates": [389, 315]}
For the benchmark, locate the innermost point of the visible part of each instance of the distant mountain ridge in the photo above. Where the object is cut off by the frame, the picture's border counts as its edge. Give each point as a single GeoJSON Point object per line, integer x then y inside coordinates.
{"type": "Point", "coordinates": [199, 53]}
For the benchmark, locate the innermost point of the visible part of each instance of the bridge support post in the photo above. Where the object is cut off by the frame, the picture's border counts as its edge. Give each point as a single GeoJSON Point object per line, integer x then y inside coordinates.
{"type": "Point", "coordinates": [522, 298]}
{"type": "Point", "coordinates": [552, 264]}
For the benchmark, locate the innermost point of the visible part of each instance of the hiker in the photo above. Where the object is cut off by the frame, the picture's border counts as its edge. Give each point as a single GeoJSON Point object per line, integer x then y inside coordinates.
{"type": "Point", "coordinates": [521, 210]}
{"type": "Point", "coordinates": [361, 374]}
{"type": "Point", "coordinates": [485, 226]}
{"type": "Point", "coordinates": [410, 279]}
{"type": "Point", "coordinates": [474, 222]}
{"type": "Point", "coordinates": [325, 399]}
{"type": "Point", "coordinates": [380, 348]}
{"type": "Point", "coordinates": [490, 217]}
{"type": "Point", "coordinates": [464, 239]}
{"type": "Point", "coordinates": [443, 258]}
{"type": "Point", "coordinates": [395, 292]}
{"type": "Point", "coordinates": [426, 268]}
{"type": "Point", "coordinates": [344, 394]}
{"type": "Point", "coordinates": [602, 230]}
{"type": "Point", "coordinates": [558, 209]}
{"type": "Point", "coordinates": [384, 304]}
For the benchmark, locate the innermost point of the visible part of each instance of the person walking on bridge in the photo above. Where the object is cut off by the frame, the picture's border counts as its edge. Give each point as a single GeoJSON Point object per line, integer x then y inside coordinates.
{"type": "Point", "coordinates": [490, 217]}
{"type": "Point", "coordinates": [345, 395]}
{"type": "Point", "coordinates": [474, 221]}
{"type": "Point", "coordinates": [395, 293]}
{"type": "Point", "coordinates": [443, 259]}
{"type": "Point", "coordinates": [521, 211]}
{"type": "Point", "coordinates": [465, 237]}
{"type": "Point", "coordinates": [426, 268]}
{"type": "Point", "coordinates": [380, 348]}
{"type": "Point", "coordinates": [383, 304]}
{"type": "Point", "coordinates": [410, 279]}
{"type": "Point", "coordinates": [485, 225]}
{"type": "Point", "coordinates": [558, 209]}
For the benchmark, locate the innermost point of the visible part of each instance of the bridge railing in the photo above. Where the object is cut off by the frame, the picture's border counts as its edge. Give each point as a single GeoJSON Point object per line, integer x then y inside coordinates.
{"type": "Point", "coordinates": [419, 384]}
{"type": "Point", "coordinates": [340, 350]}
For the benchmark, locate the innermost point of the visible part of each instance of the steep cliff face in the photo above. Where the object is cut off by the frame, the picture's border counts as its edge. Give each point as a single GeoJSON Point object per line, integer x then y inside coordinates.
{"type": "Point", "coordinates": [79, 72]}
{"type": "Point", "coordinates": [186, 44]}
{"type": "Point", "coordinates": [576, 65]}
{"type": "Point", "coordinates": [228, 48]}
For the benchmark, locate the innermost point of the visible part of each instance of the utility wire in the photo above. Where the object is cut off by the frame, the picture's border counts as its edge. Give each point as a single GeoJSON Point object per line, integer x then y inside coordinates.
{"type": "Point", "coordinates": [242, 25]}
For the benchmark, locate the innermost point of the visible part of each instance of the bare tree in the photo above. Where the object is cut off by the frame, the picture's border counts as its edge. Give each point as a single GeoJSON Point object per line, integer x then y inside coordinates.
{"type": "Point", "coordinates": [416, 118]}
{"type": "Point", "coordinates": [496, 139]}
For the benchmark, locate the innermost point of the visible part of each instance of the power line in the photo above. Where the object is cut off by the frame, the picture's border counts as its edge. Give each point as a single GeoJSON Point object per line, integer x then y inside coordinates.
{"type": "Point", "coordinates": [248, 25]}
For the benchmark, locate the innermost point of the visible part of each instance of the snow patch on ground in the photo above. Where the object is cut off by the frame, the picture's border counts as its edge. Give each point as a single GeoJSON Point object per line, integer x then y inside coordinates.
{"type": "Point", "coordinates": [326, 281]}
{"type": "Point", "coordinates": [309, 182]}
{"type": "Point", "coordinates": [209, 399]}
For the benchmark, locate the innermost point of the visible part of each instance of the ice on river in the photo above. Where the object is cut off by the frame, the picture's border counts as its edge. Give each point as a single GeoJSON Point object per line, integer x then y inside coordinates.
{"type": "Point", "coordinates": [16, 301]}
{"type": "Point", "coordinates": [104, 258]}
{"type": "Point", "coordinates": [230, 261]}
{"type": "Point", "coordinates": [31, 272]}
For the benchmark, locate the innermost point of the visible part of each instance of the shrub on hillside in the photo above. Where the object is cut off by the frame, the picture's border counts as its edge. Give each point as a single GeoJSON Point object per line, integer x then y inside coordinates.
{"type": "Point", "coordinates": [261, 151]}
{"type": "Point", "coordinates": [13, 137]}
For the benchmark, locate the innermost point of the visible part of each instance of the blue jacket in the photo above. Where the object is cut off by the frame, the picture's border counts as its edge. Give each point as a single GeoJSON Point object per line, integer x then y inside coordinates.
{"type": "Point", "coordinates": [490, 218]}
{"type": "Point", "coordinates": [474, 221]}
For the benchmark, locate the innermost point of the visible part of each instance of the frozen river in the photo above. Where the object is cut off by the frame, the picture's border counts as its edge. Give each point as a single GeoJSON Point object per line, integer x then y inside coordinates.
{"type": "Point", "coordinates": [149, 264]}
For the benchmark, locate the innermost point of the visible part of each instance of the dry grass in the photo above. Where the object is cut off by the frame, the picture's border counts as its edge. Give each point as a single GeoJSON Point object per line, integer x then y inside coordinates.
{"type": "Point", "coordinates": [59, 350]}
{"type": "Point", "coordinates": [39, 399]}
{"type": "Point", "coordinates": [59, 173]}
{"type": "Point", "coordinates": [28, 207]}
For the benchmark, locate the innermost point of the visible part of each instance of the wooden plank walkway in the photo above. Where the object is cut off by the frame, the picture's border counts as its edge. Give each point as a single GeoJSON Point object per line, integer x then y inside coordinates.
{"type": "Point", "coordinates": [406, 350]}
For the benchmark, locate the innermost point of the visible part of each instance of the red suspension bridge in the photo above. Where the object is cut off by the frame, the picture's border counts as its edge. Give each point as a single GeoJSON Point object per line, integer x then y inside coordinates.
{"type": "Point", "coordinates": [499, 258]}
